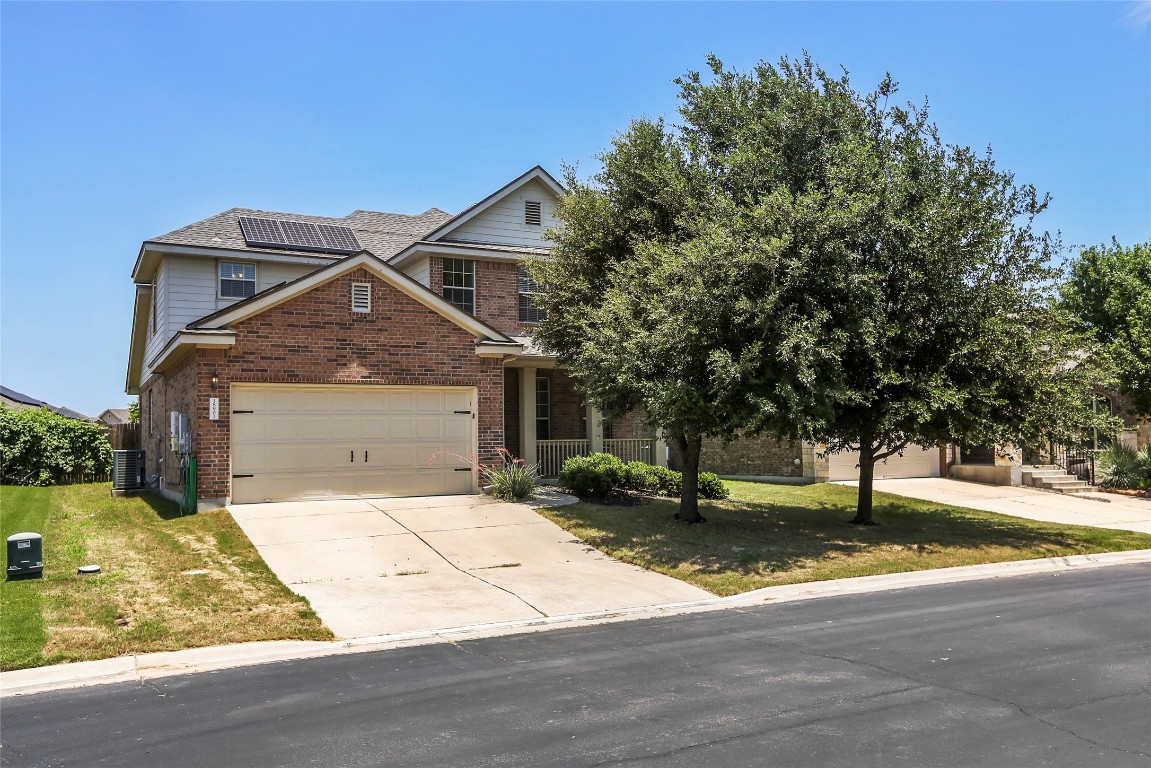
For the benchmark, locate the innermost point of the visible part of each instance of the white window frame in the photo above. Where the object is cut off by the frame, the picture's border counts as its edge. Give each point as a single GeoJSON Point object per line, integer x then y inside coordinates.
{"type": "Point", "coordinates": [528, 312]}
{"type": "Point", "coordinates": [220, 279]}
{"type": "Point", "coordinates": [543, 406]}
{"type": "Point", "coordinates": [468, 271]}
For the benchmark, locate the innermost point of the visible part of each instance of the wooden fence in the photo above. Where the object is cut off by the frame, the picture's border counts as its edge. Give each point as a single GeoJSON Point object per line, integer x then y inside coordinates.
{"type": "Point", "coordinates": [124, 437]}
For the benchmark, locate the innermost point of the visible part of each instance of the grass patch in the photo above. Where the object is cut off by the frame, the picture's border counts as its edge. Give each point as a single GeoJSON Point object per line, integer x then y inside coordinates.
{"type": "Point", "coordinates": [766, 535]}
{"type": "Point", "coordinates": [142, 601]}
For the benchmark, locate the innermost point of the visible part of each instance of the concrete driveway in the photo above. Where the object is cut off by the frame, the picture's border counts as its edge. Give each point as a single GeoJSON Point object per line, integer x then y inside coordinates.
{"type": "Point", "coordinates": [1101, 510]}
{"type": "Point", "coordinates": [384, 566]}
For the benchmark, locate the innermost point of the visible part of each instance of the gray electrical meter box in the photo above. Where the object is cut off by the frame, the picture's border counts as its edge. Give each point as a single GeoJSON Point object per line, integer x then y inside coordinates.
{"type": "Point", "coordinates": [25, 554]}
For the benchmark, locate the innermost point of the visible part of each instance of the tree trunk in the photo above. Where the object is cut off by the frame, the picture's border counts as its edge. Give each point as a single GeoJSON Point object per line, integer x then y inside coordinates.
{"type": "Point", "coordinates": [866, 481]}
{"type": "Point", "coordinates": [689, 446]}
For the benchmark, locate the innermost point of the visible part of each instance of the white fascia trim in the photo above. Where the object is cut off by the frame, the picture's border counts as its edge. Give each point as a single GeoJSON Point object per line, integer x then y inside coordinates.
{"type": "Point", "coordinates": [467, 251]}
{"type": "Point", "coordinates": [156, 250]}
{"type": "Point", "coordinates": [185, 341]}
{"type": "Point", "coordinates": [499, 350]}
{"type": "Point", "coordinates": [139, 339]}
{"type": "Point", "coordinates": [537, 173]}
{"type": "Point", "coordinates": [385, 272]}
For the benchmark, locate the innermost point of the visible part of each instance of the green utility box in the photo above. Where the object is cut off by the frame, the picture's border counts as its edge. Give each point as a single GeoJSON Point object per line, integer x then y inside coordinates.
{"type": "Point", "coordinates": [25, 555]}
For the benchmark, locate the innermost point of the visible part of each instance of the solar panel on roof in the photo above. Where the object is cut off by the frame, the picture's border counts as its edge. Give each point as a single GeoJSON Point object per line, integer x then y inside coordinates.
{"type": "Point", "coordinates": [299, 235]}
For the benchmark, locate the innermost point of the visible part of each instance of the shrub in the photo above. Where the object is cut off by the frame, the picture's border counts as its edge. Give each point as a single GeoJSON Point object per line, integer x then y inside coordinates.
{"type": "Point", "coordinates": [1125, 468]}
{"type": "Point", "coordinates": [596, 476]}
{"type": "Point", "coordinates": [516, 480]}
{"type": "Point", "coordinates": [40, 447]}
{"type": "Point", "coordinates": [641, 478]}
{"type": "Point", "coordinates": [670, 482]}
{"type": "Point", "coordinates": [711, 487]}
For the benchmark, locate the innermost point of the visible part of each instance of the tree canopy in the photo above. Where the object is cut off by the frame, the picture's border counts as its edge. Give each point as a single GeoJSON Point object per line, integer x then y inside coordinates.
{"type": "Point", "coordinates": [803, 260]}
{"type": "Point", "coordinates": [1108, 290]}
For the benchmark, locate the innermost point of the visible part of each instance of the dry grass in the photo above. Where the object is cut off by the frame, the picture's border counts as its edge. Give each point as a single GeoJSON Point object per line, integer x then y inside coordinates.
{"type": "Point", "coordinates": [768, 535]}
{"type": "Point", "coordinates": [144, 600]}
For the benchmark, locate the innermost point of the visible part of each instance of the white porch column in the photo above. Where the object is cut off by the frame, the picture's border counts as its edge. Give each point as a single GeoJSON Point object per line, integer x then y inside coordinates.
{"type": "Point", "coordinates": [528, 415]}
{"type": "Point", "coordinates": [595, 429]}
{"type": "Point", "coordinates": [660, 449]}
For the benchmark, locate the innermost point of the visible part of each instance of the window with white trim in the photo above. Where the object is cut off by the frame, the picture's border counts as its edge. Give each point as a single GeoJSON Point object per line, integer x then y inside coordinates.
{"type": "Point", "coordinates": [361, 298]}
{"type": "Point", "coordinates": [460, 283]}
{"type": "Point", "coordinates": [543, 408]}
{"type": "Point", "coordinates": [237, 279]}
{"type": "Point", "coordinates": [529, 312]}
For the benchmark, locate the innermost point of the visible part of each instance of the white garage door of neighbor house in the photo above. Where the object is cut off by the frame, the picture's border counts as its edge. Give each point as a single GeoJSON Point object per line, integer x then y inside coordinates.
{"type": "Point", "coordinates": [297, 441]}
{"type": "Point", "coordinates": [916, 461]}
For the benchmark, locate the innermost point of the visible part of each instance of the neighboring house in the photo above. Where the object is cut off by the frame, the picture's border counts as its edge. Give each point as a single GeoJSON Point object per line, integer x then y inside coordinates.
{"type": "Point", "coordinates": [19, 401]}
{"type": "Point", "coordinates": [308, 357]}
{"type": "Point", "coordinates": [112, 417]}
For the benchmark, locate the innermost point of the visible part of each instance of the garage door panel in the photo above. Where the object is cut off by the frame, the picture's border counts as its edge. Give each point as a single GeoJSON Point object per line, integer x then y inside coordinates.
{"type": "Point", "coordinates": [916, 461]}
{"type": "Point", "coordinates": [311, 441]}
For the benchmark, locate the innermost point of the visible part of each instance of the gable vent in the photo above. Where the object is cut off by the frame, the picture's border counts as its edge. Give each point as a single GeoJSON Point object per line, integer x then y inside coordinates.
{"type": "Point", "coordinates": [361, 298]}
{"type": "Point", "coordinates": [532, 213]}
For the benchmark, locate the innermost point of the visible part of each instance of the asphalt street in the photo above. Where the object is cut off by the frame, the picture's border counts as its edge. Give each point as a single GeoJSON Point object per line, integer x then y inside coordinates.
{"type": "Point", "coordinates": [1046, 670]}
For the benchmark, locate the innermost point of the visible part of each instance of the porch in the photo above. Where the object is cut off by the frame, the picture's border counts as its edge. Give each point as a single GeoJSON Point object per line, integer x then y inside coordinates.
{"type": "Point", "coordinates": [546, 420]}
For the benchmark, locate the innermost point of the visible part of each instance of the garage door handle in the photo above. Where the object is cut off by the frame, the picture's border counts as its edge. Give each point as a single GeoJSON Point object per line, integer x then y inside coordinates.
{"type": "Point", "coordinates": [461, 411]}
{"type": "Point", "coordinates": [365, 455]}
{"type": "Point", "coordinates": [243, 411]}
{"type": "Point", "coordinates": [352, 456]}
{"type": "Point", "coordinates": [463, 469]}
{"type": "Point", "coordinates": [234, 476]}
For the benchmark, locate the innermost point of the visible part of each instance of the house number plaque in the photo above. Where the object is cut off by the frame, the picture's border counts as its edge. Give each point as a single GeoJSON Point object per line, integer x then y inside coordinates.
{"type": "Point", "coordinates": [213, 408]}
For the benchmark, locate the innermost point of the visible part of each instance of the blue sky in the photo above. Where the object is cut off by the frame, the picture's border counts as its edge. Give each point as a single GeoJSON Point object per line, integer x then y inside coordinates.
{"type": "Point", "coordinates": [124, 121]}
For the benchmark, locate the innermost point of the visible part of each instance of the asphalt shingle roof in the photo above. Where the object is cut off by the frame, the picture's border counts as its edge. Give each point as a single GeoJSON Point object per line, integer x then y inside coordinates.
{"type": "Point", "coordinates": [384, 234]}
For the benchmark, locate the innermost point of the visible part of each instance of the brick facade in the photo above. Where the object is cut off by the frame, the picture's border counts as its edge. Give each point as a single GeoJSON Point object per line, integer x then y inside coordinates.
{"type": "Point", "coordinates": [315, 338]}
{"type": "Point", "coordinates": [751, 457]}
{"type": "Point", "coordinates": [497, 293]}
{"type": "Point", "coordinates": [160, 395]}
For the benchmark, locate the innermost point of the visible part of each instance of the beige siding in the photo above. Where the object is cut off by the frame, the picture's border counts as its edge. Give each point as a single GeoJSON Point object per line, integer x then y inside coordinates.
{"type": "Point", "coordinates": [503, 223]}
{"type": "Point", "coordinates": [419, 269]}
{"type": "Point", "coordinates": [187, 289]}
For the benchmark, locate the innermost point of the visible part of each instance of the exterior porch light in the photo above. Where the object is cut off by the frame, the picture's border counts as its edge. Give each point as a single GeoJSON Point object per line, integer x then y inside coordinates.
{"type": "Point", "coordinates": [215, 379]}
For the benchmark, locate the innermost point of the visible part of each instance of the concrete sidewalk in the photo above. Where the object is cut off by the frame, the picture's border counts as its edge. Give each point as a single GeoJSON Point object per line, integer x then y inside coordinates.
{"type": "Point", "coordinates": [1100, 510]}
{"type": "Point", "coordinates": [142, 668]}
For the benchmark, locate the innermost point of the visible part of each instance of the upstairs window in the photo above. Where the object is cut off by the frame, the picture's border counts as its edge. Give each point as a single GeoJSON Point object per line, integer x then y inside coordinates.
{"type": "Point", "coordinates": [460, 283]}
{"type": "Point", "coordinates": [237, 280]}
{"type": "Point", "coordinates": [533, 213]}
{"type": "Point", "coordinates": [529, 313]}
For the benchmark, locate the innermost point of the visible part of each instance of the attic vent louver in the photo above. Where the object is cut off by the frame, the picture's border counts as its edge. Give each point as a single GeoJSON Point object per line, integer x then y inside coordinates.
{"type": "Point", "coordinates": [533, 215]}
{"type": "Point", "coordinates": [361, 298]}
{"type": "Point", "coordinates": [299, 235]}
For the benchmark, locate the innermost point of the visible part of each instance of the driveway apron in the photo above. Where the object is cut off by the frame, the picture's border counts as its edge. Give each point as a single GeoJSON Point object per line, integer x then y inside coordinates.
{"type": "Point", "coordinates": [385, 566]}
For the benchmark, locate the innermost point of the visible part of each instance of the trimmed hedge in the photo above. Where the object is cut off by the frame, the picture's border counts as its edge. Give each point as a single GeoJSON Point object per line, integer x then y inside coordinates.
{"type": "Point", "coordinates": [41, 447]}
{"type": "Point", "coordinates": [601, 475]}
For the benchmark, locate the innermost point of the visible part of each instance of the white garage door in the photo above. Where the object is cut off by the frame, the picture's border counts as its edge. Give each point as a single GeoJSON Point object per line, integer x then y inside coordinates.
{"type": "Point", "coordinates": [916, 461]}
{"type": "Point", "coordinates": [296, 441]}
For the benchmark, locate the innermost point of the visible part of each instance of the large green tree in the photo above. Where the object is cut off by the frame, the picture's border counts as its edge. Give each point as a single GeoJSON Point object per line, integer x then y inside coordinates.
{"type": "Point", "coordinates": [807, 261]}
{"type": "Point", "coordinates": [1108, 290]}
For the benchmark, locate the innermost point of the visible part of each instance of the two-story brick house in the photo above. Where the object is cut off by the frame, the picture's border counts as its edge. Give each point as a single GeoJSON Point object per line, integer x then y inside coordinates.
{"type": "Point", "coordinates": [306, 357]}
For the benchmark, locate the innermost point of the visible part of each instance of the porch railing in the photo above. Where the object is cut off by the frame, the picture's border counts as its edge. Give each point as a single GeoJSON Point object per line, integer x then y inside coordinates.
{"type": "Point", "coordinates": [551, 454]}
{"type": "Point", "coordinates": [631, 449]}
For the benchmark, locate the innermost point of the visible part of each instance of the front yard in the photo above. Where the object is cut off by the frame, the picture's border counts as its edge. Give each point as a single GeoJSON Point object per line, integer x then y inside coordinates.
{"type": "Point", "coordinates": [168, 582]}
{"type": "Point", "coordinates": [766, 535]}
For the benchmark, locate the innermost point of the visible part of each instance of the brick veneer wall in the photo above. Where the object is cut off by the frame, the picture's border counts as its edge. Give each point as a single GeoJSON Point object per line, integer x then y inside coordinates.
{"type": "Point", "coordinates": [497, 293]}
{"type": "Point", "coordinates": [159, 396]}
{"type": "Point", "coordinates": [512, 410]}
{"type": "Point", "coordinates": [755, 457]}
{"type": "Point", "coordinates": [568, 414]}
{"type": "Point", "coordinates": [315, 338]}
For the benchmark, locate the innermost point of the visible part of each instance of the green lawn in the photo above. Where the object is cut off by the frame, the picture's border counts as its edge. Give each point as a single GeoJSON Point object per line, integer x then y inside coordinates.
{"type": "Point", "coordinates": [168, 582]}
{"type": "Point", "coordinates": [767, 535]}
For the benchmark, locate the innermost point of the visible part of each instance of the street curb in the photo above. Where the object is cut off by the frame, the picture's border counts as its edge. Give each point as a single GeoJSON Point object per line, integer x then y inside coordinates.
{"type": "Point", "coordinates": [151, 666]}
